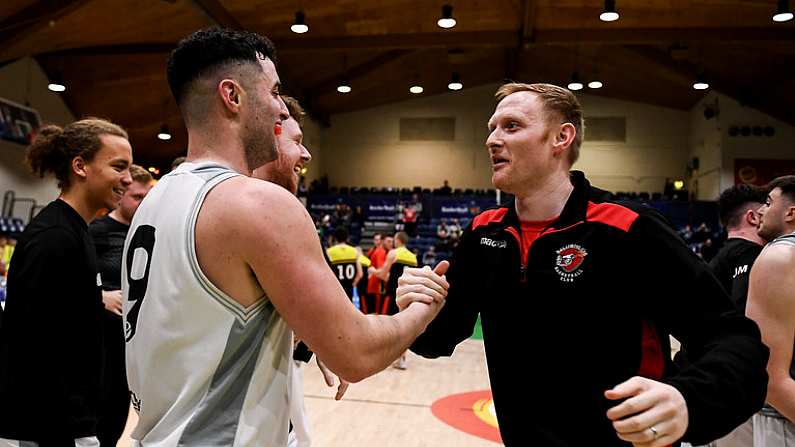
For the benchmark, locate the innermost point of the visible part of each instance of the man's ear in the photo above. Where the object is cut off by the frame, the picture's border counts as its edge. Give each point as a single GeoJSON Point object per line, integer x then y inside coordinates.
{"type": "Point", "coordinates": [79, 166]}
{"type": "Point", "coordinates": [751, 218]}
{"type": "Point", "coordinates": [564, 137]}
{"type": "Point", "coordinates": [230, 93]}
{"type": "Point", "coordinates": [790, 215]}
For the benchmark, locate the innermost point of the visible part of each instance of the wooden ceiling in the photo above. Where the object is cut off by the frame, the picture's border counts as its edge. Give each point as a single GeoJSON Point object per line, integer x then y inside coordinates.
{"type": "Point", "coordinates": [112, 53]}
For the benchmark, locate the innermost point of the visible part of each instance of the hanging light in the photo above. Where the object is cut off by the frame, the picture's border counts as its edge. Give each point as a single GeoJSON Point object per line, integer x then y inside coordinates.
{"type": "Point", "coordinates": [455, 82]}
{"type": "Point", "coordinates": [595, 84]}
{"type": "Point", "coordinates": [416, 89]}
{"type": "Point", "coordinates": [56, 83]}
{"type": "Point", "coordinates": [345, 86]}
{"type": "Point", "coordinates": [447, 21]}
{"type": "Point", "coordinates": [299, 26]}
{"type": "Point", "coordinates": [575, 83]}
{"type": "Point", "coordinates": [783, 13]}
{"type": "Point", "coordinates": [164, 134]}
{"type": "Point", "coordinates": [701, 83]}
{"type": "Point", "coordinates": [609, 14]}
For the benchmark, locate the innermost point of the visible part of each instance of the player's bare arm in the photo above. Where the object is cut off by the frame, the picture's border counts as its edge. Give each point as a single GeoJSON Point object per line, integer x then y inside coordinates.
{"type": "Point", "coordinates": [277, 241]}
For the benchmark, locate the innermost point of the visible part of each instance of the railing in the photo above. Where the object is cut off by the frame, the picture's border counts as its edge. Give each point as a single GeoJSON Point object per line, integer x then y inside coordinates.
{"type": "Point", "coordinates": [10, 201]}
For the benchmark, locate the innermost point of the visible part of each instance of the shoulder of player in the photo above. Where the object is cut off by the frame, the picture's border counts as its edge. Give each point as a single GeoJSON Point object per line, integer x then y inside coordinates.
{"type": "Point", "coordinates": [244, 198]}
{"type": "Point", "coordinates": [776, 259]}
{"type": "Point", "coordinates": [255, 210]}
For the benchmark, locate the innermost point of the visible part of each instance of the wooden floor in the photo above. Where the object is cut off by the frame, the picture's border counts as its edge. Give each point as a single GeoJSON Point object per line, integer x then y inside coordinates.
{"type": "Point", "coordinates": [393, 408]}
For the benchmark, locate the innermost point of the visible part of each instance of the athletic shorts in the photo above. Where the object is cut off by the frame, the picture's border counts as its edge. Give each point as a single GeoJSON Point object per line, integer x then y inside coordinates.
{"type": "Point", "coordinates": [91, 441]}
{"type": "Point", "coordinates": [773, 431]}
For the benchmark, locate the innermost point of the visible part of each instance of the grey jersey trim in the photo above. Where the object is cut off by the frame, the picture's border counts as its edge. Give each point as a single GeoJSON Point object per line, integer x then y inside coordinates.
{"type": "Point", "coordinates": [216, 419]}
{"type": "Point", "coordinates": [214, 175]}
{"type": "Point", "coordinates": [786, 239]}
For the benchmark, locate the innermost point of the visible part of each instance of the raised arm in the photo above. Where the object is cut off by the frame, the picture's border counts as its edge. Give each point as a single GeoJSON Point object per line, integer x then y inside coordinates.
{"type": "Point", "coordinates": [282, 251]}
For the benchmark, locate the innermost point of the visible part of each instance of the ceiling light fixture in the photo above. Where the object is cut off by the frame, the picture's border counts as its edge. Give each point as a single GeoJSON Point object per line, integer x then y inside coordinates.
{"type": "Point", "coordinates": [447, 21]}
{"type": "Point", "coordinates": [56, 83]}
{"type": "Point", "coordinates": [783, 13]}
{"type": "Point", "coordinates": [609, 14]}
{"type": "Point", "coordinates": [164, 134]}
{"type": "Point", "coordinates": [416, 89]}
{"type": "Point", "coordinates": [455, 82]}
{"type": "Point", "coordinates": [701, 83]}
{"type": "Point", "coordinates": [595, 84]}
{"type": "Point", "coordinates": [299, 26]}
{"type": "Point", "coordinates": [575, 83]}
{"type": "Point", "coordinates": [345, 86]}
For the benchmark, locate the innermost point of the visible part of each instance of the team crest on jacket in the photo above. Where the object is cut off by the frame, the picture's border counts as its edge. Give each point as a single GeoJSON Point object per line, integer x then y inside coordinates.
{"type": "Point", "coordinates": [569, 261]}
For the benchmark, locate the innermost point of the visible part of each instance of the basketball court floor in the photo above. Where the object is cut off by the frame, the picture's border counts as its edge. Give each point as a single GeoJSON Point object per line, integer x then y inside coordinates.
{"type": "Point", "coordinates": [440, 403]}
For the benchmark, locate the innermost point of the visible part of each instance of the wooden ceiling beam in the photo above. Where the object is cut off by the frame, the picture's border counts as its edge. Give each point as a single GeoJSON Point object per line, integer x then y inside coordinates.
{"type": "Point", "coordinates": [399, 41]}
{"type": "Point", "coordinates": [355, 73]}
{"type": "Point", "coordinates": [685, 73]}
{"type": "Point", "coordinates": [216, 13]}
{"type": "Point", "coordinates": [507, 39]}
{"type": "Point", "coordinates": [528, 30]}
{"type": "Point", "coordinates": [646, 36]}
{"type": "Point", "coordinates": [32, 18]}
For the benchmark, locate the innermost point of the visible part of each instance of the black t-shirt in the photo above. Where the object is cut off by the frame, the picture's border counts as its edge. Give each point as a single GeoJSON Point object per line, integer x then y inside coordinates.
{"type": "Point", "coordinates": [732, 267]}
{"type": "Point", "coordinates": [51, 338]}
{"type": "Point", "coordinates": [108, 235]}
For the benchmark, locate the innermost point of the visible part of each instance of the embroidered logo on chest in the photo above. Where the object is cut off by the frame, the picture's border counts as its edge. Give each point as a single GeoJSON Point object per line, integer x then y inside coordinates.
{"type": "Point", "coordinates": [493, 243]}
{"type": "Point", "coordinates": [569, 261]}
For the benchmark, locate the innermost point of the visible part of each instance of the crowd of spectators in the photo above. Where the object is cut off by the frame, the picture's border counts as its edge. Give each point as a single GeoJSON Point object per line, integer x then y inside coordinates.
{"type": "Point", "coordinates": [702, 240]}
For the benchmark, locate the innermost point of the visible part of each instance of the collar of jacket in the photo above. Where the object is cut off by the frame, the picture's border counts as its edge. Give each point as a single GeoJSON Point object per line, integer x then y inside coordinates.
{"type": "Point", "coordinates": [576, 206]}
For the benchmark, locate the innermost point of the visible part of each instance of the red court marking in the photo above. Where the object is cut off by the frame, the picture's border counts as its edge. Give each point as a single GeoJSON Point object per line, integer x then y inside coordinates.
{"type": "Point", "coordinates": [458, 411]}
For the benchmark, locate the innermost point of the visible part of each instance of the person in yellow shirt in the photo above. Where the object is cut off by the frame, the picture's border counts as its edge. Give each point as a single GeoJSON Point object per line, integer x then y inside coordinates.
{"type": "Point", "coordinates": [345, 261]}
{"type": "Point", "coordinates": [397, 259]}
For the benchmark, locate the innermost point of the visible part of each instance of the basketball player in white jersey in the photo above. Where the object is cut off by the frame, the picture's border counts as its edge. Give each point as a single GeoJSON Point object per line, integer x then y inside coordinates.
{"type": "Point", "coordinates": [219, 266]}
{"type": "Point", "coordinates": [771, 303]}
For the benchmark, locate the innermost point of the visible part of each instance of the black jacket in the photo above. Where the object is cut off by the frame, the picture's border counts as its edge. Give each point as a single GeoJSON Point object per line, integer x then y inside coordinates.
{"type": "Point", "coordinates": [51, 351]}
{"type": "Point", "coordinates": [592, 306]}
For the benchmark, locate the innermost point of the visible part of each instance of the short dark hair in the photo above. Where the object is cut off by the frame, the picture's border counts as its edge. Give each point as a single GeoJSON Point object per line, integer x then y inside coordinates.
{"type": "Point", "coordinates": [735, 201]}
{"type": "Point", "coordinates": [210, 48]}
{"type": "Point", "coordinates": [787, 185]}
{"type": "Point", "coordinates": [341, 234]}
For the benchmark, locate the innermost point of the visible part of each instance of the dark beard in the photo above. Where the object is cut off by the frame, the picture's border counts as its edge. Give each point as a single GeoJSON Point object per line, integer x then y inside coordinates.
{"type": "Point", "coordinates": [257, 151]}
{"type": "Point", "coordinates": [260, 144]}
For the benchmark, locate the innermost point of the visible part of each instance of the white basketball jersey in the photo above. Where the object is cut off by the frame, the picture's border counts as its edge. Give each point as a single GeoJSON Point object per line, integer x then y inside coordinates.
{"type": "Point", "coordinates": [203, 370]}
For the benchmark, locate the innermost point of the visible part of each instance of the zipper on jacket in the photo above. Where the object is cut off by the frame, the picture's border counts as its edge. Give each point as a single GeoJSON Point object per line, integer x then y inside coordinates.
{"type": "Point", "coordinates": [524, 260]}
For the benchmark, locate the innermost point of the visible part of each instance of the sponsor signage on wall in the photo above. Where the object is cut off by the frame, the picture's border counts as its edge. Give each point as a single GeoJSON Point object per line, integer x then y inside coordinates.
{"type": "Point", "coordinates": [759, 172]}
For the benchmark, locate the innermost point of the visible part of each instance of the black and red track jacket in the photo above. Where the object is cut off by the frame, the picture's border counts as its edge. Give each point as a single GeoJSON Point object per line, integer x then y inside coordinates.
{"type": "Point", "coordinates": [591, 306]}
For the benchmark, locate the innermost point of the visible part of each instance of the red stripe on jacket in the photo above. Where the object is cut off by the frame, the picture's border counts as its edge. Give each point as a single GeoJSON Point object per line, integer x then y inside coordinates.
{"type": "Point", "coordinates": [611, 214]}
{"type": "Point", "coordinates": [488, 217]}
